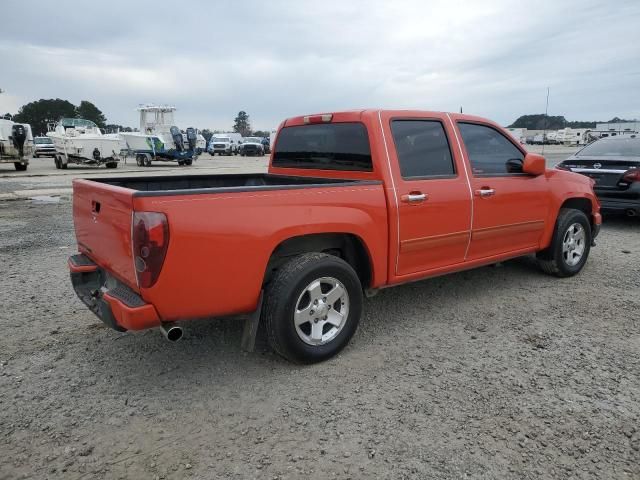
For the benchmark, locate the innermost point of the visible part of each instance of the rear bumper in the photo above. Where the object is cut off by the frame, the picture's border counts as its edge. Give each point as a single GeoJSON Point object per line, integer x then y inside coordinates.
{"type": "Point", "coordinates": [620, 201]}
{"type": "Point", "coordinates": [110, 300]}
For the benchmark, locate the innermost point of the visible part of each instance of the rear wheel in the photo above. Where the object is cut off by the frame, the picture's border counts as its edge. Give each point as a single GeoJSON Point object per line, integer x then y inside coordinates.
{"type": "Point", "coordinates": [112, 165]}
{"type": "Point", "coordinates": [147, 161]}
{"type": "Point", "coordinates": [56, 161]}
{"type": "Point", "coordinates": [140, 160]}
{"type": "Point", "coordinates": [21, 167]}
{"type": "Point", "coordinates": [570, 244]}
{"type": "Point", "coordinates": [312, 307]}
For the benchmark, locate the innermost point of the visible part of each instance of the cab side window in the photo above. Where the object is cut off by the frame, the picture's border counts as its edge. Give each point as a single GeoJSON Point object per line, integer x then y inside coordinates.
{"type": "Point", "coordinates": [423, 149]}
{"type": "Point", "coordinates": [490, 153]}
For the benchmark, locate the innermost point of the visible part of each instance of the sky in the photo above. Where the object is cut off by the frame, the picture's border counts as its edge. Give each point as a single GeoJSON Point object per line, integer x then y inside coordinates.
{"type": "Point", "coordinates": [276, 59]}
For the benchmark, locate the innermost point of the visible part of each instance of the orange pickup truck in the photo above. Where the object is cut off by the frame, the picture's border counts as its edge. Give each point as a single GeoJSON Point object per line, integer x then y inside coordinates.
{"type": "Point", "coordinates": [352, 202]}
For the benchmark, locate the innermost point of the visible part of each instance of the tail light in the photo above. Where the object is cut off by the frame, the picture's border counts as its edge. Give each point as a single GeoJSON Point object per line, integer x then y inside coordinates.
{"type": "Point", "coordinates": [631, 176]}
{"type": "Point", "coordinates": [150, 238]}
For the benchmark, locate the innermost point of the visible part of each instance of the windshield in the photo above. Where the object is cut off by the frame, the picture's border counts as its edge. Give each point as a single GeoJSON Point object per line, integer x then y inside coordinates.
{"type": "Point", "coordinates": [77, 122]}
{"type": "Point", "coordinates": [615, 147]}
{"type": "Point", "coordinates": [40, 140]}
{"type": "Point", "coordinates": [334, 146]}
{"type": "Point", "coordinates": [221, 139]}
{"type": "Point", "coordinates": [251, 140]}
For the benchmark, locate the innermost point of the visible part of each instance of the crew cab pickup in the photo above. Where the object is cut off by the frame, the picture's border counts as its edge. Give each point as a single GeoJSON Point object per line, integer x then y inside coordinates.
{"type": "Point", "coordinates": [352, 202]}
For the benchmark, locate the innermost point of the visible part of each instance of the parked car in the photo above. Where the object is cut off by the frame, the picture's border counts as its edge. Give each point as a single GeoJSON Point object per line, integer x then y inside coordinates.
{"type": "Point", "coordinates": [251, 146]}
{"type": "Point", "coordinates": [43, 147]}
{"type": "Point", "coordinates": [221, 146]}
{"type": "Point", "coordinates": [614, 164]}
{"type": "Point", "coordinates": [352, 202]}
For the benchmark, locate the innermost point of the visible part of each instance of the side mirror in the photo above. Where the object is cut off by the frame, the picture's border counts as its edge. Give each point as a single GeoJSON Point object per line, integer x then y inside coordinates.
{"type": "Point", "coordinates": [534, 164]}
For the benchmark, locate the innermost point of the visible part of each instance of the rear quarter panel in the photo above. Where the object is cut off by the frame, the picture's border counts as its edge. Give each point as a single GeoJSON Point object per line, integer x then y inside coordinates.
{"type": "Point", "coordinates": [220, 243]}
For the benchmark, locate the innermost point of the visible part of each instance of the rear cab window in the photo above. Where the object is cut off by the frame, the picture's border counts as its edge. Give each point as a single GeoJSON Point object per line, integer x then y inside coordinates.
{"type": "Point", "coordinates": [324, 146]}
{"type": "Point", "coordinates": [423, 149]}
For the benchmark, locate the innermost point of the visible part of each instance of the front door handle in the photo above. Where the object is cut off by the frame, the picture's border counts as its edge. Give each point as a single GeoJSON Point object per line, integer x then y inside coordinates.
{"type": "Point", "coordinates": [414, 197]}
{"type": "Point", "coordinates": [485, 192]}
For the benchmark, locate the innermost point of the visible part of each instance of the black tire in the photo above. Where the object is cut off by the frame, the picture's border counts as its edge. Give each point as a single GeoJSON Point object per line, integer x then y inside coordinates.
{"type": "Point", "coordinates": [140, 160]}
{"type": "Point", "coordinates": [280, 302]}
{"type": "Point", "coordinates": [111, 165]}
{"type": "Point", "coordinates": [56, 161]}
{"type": "Point", "coordinates": [188, 161]}
{"type": "Point", "coordinates": [552, 260]}
{"type": "Point", "coordinates": [63, 165]}
{"type": "Point", "coordinates": [19, 166]}
{"type": "Point", "coordinates": [147, 161]}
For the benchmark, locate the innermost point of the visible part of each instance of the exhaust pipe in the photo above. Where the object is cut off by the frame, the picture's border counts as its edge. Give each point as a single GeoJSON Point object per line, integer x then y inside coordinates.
{"type": "Point", "coordinates": [171, 331]}
{"type": "Point", "coordinates": [631, 212]}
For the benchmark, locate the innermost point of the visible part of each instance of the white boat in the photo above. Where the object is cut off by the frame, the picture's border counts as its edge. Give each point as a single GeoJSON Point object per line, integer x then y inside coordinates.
{"type": "Point", "coordinates": [16, 143]}
{"type": "Point", "coordinates": [81, 142]}
{"type": "Point", "coordinates": [159, 138]}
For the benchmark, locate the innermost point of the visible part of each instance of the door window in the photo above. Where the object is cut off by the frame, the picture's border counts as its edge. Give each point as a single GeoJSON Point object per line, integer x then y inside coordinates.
{"type": "Point", "coordinates": [423, 149]}
{"type": "Point", "coordinates": [490, 152]}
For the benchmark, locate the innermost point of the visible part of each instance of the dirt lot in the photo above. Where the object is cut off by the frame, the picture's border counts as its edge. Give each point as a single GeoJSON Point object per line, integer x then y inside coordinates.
{"type": "Point", "coordinates": [500, 372]}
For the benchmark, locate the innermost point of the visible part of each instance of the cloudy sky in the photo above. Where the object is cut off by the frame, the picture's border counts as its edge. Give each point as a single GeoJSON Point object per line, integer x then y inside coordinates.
{"type": "Point", "coordinates": [276, 59]}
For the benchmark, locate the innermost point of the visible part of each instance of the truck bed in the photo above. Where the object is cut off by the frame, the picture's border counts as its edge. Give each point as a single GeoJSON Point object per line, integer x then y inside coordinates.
{"type": "Point", "coordinates": [193, 184]}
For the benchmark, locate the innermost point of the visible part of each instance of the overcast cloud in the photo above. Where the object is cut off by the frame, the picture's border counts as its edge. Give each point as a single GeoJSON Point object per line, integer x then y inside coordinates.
{"type": "Point", "coordinates": [281, 58]}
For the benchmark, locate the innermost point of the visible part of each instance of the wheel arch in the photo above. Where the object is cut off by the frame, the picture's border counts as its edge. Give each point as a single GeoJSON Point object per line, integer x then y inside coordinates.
{"type": "Point", "coordinates": [584, 203]}
{"type": "Point", "coordinates": [348, 246]}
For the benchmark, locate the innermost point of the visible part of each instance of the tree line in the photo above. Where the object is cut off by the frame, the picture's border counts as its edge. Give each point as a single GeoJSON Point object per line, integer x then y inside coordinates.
{"type": "Point", "coordinates": [540, 121]}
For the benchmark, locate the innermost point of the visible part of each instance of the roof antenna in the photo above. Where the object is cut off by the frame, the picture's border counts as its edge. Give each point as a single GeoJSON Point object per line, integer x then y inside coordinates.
{"type": "Point", "coordinates": [460, 108]}
{"type": "Point", "coordinates": [546, 119]}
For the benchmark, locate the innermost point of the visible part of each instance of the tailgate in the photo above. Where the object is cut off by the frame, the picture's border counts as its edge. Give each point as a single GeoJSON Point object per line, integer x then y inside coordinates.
{"type": "Point", "coordinates": [102, 218]}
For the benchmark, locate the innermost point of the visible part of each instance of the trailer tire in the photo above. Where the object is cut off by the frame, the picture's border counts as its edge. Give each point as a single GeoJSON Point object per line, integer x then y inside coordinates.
{"type": "Point", "coordinates": [19, 166]}
{"type": "Point", "coordinates": [111, 164]}
{"type": "Point", "coordinates": [57, 162]}
{"type": "Point", "coordinates": [302, 288]}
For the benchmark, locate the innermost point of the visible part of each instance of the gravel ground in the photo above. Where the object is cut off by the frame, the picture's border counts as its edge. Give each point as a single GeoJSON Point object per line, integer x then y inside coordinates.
{"type": "Point", "coordinates": [500, 372]}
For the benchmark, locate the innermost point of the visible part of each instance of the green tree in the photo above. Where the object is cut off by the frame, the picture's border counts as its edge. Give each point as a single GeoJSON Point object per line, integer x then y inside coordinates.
{"type": "Point", "coordinates": [42, 112]}
{"type": "Point", "coordinates": [242, 124]}
{"type": "Point", "coordinates": [89, 111]}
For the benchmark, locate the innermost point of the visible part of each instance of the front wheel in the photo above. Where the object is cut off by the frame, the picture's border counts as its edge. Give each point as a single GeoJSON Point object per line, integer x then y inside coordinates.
{"type": "Point", "coordinates": [312, 307]}
{"type": "Point", "coordinates": [21, 167]}
{"type": "Point", "coordinates": [570, 244]}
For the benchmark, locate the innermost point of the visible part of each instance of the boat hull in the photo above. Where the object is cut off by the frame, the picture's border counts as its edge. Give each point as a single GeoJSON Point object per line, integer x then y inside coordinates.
{"type": "Point", "coordinates": [83, 148]}
{"type": "Point", "coordinates": [154, 145]}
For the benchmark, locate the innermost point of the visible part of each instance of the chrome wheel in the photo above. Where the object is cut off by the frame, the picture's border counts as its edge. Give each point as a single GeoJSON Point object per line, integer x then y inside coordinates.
{"type": "Point", "coordinates": [573, 244]}
{"type": "Point", "coordinates": [321, 311]}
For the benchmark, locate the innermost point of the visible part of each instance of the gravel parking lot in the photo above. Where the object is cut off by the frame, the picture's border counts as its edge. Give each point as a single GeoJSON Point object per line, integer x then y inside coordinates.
{"type": "Point", "coordinates": [499, 372]}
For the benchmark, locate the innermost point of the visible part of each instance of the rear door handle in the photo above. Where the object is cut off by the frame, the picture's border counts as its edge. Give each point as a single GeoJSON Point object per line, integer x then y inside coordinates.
{"type": "Point", "coordinates": [414, 197]}
{"type": "Point", "coordinates": [485, 192]}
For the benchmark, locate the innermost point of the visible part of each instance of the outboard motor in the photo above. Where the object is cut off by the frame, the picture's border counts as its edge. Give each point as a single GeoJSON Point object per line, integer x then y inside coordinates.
{"type": "Point", "coordinates": [192, 138]}
{"type": "Point", "coordinates": [19, 136]}
{"type": "Point", "coordinates": [177, 138]}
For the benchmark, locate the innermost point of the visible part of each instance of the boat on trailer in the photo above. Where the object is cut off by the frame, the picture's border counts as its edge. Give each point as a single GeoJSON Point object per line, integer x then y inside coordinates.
{"type": "Point", "coordinates": [16, 144]}
{"type": "Point", "coordinates": [81, 142]}
{"type": "Point", "coordinates": [159, 139]}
